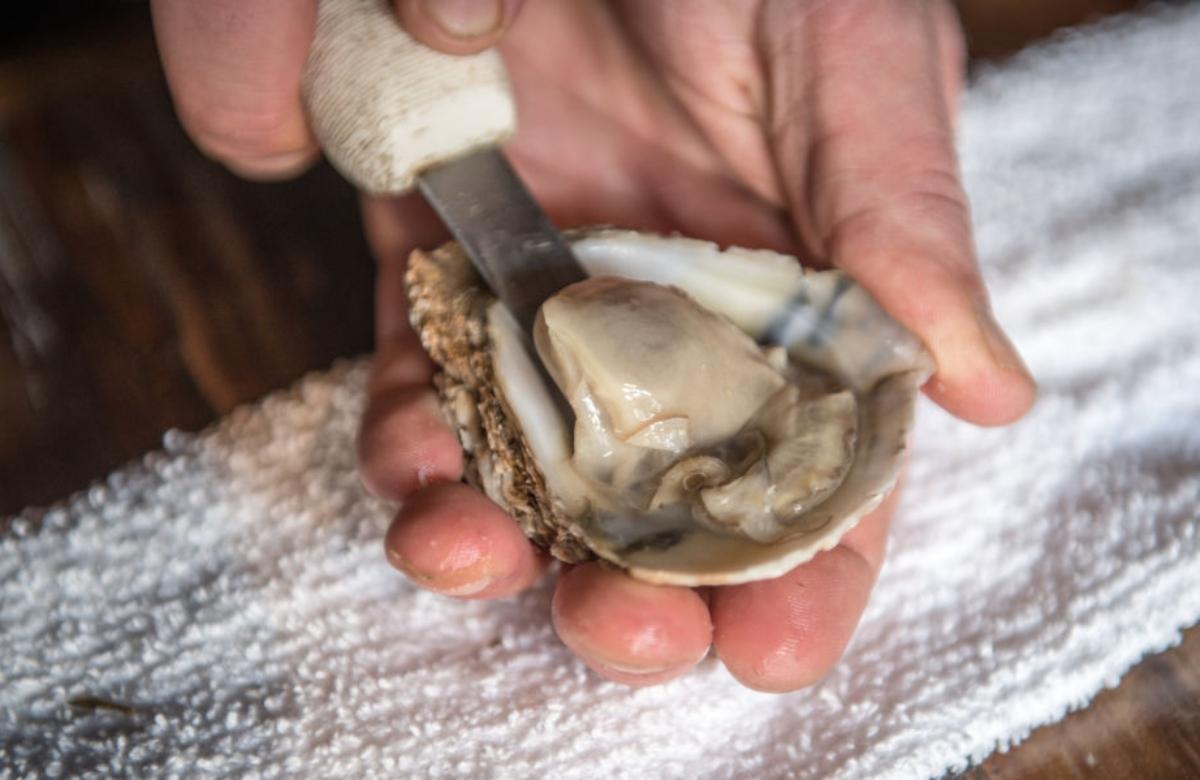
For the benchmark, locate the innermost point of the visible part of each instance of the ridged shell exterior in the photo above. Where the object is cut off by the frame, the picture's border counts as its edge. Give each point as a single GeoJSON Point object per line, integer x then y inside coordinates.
{"type": "Point", "coordinates": [449, 311]}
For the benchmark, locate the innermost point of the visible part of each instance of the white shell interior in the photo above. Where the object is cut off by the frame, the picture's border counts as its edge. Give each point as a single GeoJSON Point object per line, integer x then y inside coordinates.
{"type": "Point", "coordinates": [824, 320]}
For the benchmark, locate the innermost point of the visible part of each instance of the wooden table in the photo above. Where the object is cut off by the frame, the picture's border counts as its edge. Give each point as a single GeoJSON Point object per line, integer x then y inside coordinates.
{"type": "Point", "coordinates": [144, 288]}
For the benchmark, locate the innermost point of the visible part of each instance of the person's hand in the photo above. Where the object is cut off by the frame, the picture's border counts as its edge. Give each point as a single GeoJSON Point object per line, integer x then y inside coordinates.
{"type": "Point", "coordinates": [823, 129]}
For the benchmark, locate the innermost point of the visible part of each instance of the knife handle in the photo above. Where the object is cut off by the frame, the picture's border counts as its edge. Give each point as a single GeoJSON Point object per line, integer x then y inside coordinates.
{"type": "Point", "coordinates": [385, 107]}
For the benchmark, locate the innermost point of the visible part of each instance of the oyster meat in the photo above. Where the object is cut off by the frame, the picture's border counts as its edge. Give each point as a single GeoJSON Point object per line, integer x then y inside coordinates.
{"type": "Point", "coordinates": [693, 415]}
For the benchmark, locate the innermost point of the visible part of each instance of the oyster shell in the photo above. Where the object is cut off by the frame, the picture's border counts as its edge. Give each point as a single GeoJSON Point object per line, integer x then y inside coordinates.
{"type": "Point", "coordinates": [698, 514]}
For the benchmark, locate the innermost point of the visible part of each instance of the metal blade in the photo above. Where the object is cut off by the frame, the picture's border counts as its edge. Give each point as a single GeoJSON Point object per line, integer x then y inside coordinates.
{"type": "Point", "coordinates": [505, 233]}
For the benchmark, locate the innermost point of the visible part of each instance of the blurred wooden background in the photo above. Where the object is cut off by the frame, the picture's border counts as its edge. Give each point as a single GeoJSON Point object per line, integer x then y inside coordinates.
{"type": "Point", "coordinates": [142, 288]}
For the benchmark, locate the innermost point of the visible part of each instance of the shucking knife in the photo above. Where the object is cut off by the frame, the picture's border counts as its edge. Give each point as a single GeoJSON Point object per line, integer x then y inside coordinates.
{"type": "Point", "coordinates": [392, 115]}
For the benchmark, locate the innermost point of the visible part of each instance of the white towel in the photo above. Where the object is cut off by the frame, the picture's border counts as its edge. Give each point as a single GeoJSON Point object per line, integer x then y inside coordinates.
{"type": "Point", "coordinates": [232, 588]}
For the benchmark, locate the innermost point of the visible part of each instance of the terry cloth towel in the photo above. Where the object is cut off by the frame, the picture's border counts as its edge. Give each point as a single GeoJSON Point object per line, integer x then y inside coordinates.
{"type": "Point", "coordinates": [231, 593]}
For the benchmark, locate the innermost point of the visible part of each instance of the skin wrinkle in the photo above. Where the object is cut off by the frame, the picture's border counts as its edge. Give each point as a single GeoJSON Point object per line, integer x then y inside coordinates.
{"type": "Point", "coordinates": [751, 167]}
{"type": "Point", "coordinates": [542, 162]}
{"type": "Point", "coordinates": [681, 33]}
{"type": "Point", "coordinates": [743, 223]}
{"type": "Point", "coordinates": [748, 108]}
{"type": "Point", "coordinates": [848, 188]}
{"type": "Point", "coordinates": [647, 192]}
{"type": "Point", "coordinates": [840, 66]}
{"type": "Point", "coordinates": [792, 655]}
{"type": "Point", "coordinates": [788, 122]}
{"type": "Point", "coordinates": [861, 228]}
{"type": "Point", "coordinates": [735, 98]}
{"type": "Point", "coordinates": [782, 659]}
{"type": "Point", "coordinates": [642, 117]}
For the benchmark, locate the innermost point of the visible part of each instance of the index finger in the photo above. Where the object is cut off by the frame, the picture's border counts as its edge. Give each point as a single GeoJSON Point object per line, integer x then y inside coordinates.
{"type": "Point", "coordinates": [234, 71]}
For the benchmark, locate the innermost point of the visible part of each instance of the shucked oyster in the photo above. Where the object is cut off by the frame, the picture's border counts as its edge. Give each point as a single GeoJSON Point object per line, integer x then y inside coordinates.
{"type": "Point", "coordinates": [696, 416]}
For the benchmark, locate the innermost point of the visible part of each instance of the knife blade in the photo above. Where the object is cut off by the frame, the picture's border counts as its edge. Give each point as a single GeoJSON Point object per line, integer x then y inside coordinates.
{"type": "Point", "coordinates": [392, 114]}
{"type": "Point", "coordinates": [504, 231]}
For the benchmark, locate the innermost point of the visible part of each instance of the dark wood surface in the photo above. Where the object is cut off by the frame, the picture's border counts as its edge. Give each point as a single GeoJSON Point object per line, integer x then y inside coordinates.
{"type": "Point", "coordinates": [143, 288]}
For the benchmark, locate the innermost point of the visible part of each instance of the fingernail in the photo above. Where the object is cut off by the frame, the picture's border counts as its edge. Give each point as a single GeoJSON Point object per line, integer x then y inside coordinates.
{"type": "Point", "coordinates": [465, 589]}
{"type": "Point", "coordinates": [468, 588]}
{"type": "Point", "coordinates": [636, 667]}
{"type": "Point", "coordinates": [278, 166]}
{"type": "Point", "coordinates": [398, 563]}
{"type": "Point", "coordinates": [1003, 352]}
{"type": "Point", "coordinates": [635, 671]}
{"type": "Point", "coordinates": [466, 18]}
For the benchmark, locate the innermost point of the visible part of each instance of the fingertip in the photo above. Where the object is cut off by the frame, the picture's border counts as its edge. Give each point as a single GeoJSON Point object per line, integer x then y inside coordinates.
{"type": "Point", "coordinates": [933, 288]}
{"type": "Point", "coordinates": [990, 397]}
{"type": "Point", "coordinates": [457, 26]}
{"type": "Point", "coordinates": [784, 634]}
{"type": "Point", "coordinates": [629, 631]}
{"type": "Point", "coordinates": [266, 141]}
{"type": "Point", "coordinates": [404, 444]}
{"type": "Point", "coordinates": [275, 166]}
{"type": "Point", "coordinates": [234, 71]}
{"type": "Point", "coordinates": [451, 539]}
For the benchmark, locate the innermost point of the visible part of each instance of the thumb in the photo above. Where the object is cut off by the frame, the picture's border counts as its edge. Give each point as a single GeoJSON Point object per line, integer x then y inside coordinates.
{"type": "Point", "coordinates": [457, 26]}
{"type": "Point", "coordinates": [885, 202]}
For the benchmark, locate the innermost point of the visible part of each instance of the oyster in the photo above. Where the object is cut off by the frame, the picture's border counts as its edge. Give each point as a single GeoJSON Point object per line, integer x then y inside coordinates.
{"type": "Point", "coordinates": [694, 415]}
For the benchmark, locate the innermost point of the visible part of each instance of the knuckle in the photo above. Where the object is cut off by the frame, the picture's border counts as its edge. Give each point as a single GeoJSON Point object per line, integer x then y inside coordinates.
{"type": "Point", "coordinates": [930, 213]}
{"type": "Point", "coordinates": [919, 238]}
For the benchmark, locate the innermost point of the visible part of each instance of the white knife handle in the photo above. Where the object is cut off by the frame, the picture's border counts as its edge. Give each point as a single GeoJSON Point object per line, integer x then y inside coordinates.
{"type": "Point", "coordinates": [385, 107]}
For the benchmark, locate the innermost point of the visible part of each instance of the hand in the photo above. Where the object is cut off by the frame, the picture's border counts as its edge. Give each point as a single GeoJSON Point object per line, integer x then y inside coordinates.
{"type": "Point", "coordinates": [822, 129]}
